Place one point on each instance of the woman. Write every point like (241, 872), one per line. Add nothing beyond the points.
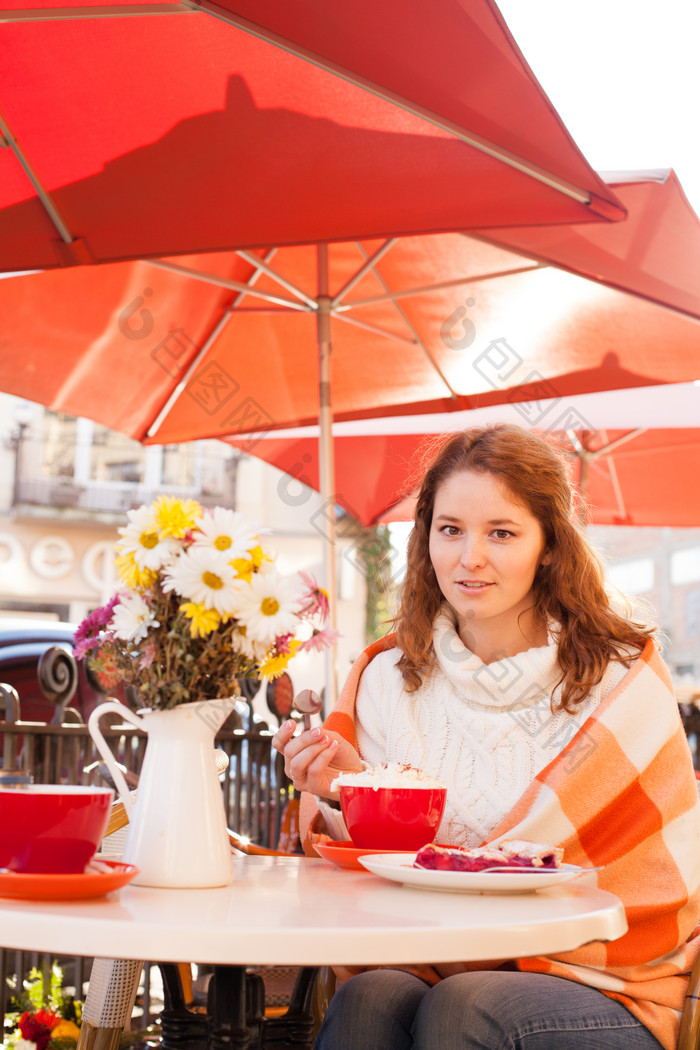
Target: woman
(550, 717)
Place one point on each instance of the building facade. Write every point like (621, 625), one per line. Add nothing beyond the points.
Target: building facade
(66, 485)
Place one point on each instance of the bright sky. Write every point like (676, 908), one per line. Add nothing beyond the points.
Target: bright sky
(624, 77)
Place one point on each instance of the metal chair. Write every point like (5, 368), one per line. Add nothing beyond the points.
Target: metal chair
(689, 1035)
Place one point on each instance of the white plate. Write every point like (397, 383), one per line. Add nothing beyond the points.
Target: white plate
(399, 868)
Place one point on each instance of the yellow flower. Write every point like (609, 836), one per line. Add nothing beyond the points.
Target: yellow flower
(65, 1030)
(274, 665)
(258, 556)
(134, 578)
(175, 516)
(204, 620)
(244, 568)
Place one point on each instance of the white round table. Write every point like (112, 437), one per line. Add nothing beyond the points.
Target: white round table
(288, 910)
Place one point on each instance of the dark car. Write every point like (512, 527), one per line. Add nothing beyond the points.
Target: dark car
(24, 644)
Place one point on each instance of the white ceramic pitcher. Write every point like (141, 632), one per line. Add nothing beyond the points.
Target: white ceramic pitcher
(177, 833)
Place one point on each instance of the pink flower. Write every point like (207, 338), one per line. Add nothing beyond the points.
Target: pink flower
(283, 644)
(149, 654)
(320, 640)
(87, 635)
(316, 597)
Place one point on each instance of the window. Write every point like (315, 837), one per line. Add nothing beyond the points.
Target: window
(114, 457)
(58, 438)
(685, 566)
(98, 459)
(632, 577)
(179, 466)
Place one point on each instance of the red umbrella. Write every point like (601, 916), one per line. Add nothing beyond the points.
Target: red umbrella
(208, 346)
(149, 128)
(634, 454)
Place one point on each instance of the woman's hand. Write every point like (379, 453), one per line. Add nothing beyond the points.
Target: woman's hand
(315, 758)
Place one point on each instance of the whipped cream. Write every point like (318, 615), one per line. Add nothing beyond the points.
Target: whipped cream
(387, 775)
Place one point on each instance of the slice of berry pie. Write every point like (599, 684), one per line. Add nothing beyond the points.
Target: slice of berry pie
(511, 853)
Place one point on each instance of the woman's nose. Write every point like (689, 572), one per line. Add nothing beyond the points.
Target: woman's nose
(473, 553)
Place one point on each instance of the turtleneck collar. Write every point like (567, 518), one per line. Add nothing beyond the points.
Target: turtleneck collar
(513, 682)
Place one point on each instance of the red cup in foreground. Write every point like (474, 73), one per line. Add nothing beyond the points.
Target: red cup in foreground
(392, 818)
(49, 829)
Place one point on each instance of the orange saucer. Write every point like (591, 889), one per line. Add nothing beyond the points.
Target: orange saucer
(27, 886)
(345, 854)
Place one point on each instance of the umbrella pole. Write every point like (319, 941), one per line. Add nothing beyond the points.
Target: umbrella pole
(326, 462)
(584, 467)
(583, 456)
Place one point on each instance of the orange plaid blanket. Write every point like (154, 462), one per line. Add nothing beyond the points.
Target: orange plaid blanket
(621, 794)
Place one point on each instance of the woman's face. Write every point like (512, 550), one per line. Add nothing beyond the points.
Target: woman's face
(485, 549)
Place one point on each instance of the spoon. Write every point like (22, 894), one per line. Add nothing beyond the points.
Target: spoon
(308, 703)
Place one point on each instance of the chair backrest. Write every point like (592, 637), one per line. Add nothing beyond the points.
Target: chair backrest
(254, 785)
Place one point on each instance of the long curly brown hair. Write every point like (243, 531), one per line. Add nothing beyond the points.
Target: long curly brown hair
(568, 589)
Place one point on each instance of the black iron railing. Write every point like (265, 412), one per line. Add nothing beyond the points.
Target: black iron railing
(255, 794)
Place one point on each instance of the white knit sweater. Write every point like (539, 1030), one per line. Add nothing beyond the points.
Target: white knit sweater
(484, 730)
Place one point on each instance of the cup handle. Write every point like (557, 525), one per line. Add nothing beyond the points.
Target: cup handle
(106, 752)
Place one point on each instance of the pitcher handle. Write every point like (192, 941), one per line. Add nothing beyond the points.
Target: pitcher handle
(105, 750)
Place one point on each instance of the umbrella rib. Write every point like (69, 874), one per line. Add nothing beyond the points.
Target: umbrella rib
(427, 289)
(261, 264)
(58, 14)
(574, 439)
(225, 282)
(591, 455)
(265, 310)
(271, 309)
(611, 468)
(52, 210)
(419, 342)
(359, 274)
(612, 471)
(622, 440)
(254, 276)
(175, 394)
(597, 278)
(375, 328)
(563, 186)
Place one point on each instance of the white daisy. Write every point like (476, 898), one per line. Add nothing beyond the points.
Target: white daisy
(141, 538)
(201, 576)
(255, 651)
(267, 605)
(132, 618)
(227, 532)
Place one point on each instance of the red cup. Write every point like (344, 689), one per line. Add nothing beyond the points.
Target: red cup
(51, 829)
(392, 818)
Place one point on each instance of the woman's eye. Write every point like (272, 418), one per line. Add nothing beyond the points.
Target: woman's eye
(450, 530)
(502, 534)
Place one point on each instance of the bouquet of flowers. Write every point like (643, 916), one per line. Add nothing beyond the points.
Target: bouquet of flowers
(201, 605)
(44, 1017)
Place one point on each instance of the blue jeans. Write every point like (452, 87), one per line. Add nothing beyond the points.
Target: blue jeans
(484, 1010)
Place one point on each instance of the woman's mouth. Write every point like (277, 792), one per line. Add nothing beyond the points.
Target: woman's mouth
(474, 585)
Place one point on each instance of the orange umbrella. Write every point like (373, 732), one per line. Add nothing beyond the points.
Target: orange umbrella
(152, 127)
(633, 455)
(213, 345)
(234, 343)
